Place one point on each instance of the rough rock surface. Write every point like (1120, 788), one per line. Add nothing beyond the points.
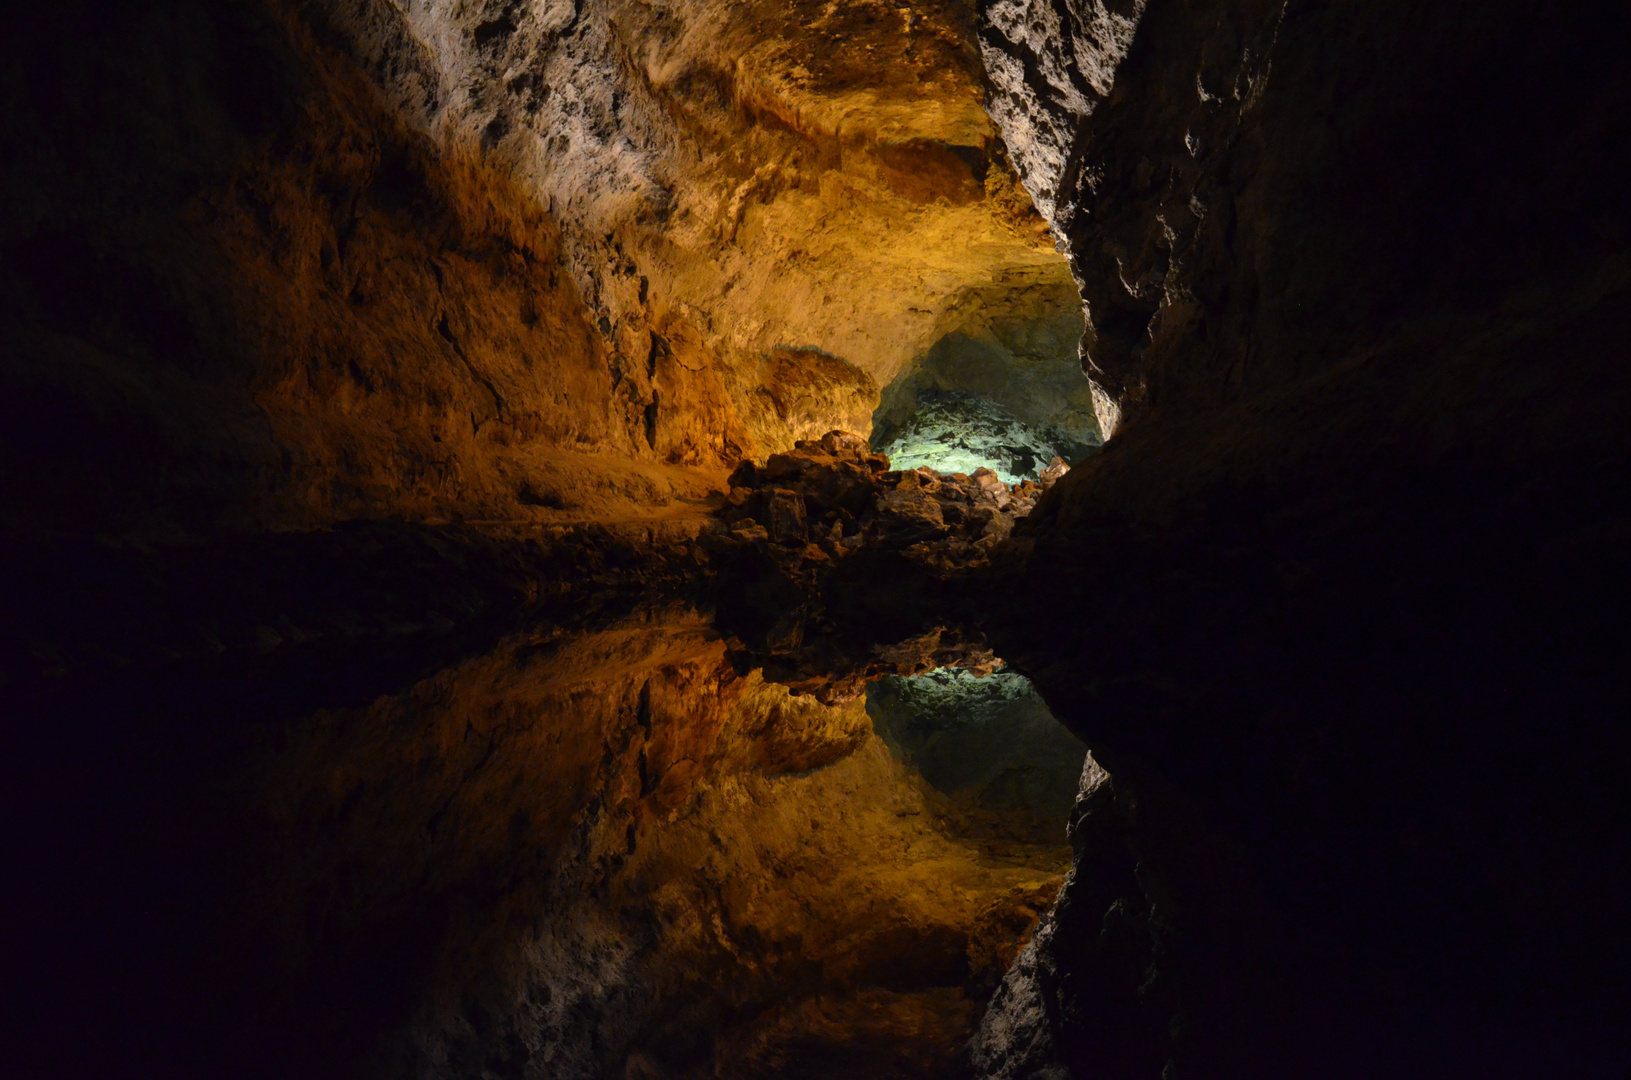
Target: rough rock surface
(240, 293)
(282, 264)
(832, 569)
(729, 173)
(1050, 65)
(959, 433)
(1342, 580)
(465, 788)
(1232, 129)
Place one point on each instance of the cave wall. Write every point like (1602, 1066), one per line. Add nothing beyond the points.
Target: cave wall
(756, 177)
(1339, 608)
(1217, 220)
(241, 291)
(1022, 358)
(1341, 590)
(292, 263)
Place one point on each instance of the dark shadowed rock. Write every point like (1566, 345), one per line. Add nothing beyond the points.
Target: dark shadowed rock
(1357, 302)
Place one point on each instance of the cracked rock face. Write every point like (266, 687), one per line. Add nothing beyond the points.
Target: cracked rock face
(1172, 150)
(1050, 65)
(267, 302)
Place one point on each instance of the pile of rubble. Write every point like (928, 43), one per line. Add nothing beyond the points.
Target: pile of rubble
(827, 558)
(835, 496)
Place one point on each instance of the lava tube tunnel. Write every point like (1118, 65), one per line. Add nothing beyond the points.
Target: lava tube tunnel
(825, 539)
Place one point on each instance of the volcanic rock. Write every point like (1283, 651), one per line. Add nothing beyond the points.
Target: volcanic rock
(877, 590)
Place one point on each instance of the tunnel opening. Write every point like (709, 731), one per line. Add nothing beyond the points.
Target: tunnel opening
(1008, 395)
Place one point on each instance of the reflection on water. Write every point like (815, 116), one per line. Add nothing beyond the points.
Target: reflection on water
(988, 743)
(455, 802)
(605, 852)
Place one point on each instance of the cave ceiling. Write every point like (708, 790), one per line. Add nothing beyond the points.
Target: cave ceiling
(809, 176)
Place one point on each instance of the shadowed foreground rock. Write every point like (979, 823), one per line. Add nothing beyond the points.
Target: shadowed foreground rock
(1340, 607)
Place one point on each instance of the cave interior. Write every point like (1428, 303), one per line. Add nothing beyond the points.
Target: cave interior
(911, 540)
